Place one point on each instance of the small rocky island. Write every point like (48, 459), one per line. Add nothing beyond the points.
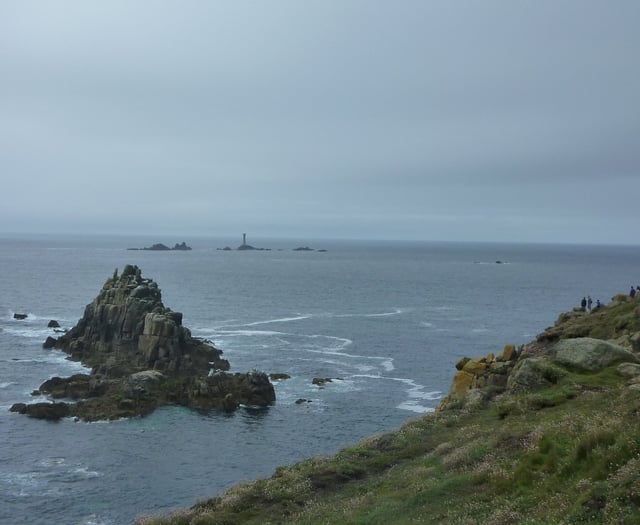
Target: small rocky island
(141, 357)
(159, 247)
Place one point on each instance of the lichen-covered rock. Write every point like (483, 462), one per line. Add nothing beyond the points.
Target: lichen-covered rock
(534, 372)
(460, 385)
(508, 353)
(590, 355)
(629, 370)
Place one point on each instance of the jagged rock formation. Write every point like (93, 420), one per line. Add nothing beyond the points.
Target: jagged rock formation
(127, 328)
(142, 356)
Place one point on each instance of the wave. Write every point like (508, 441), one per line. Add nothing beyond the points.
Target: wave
(29, 332)
(302, 317)
(85, 473)
(7, 384)
(415, 393)
(280, 320)
(396, 311)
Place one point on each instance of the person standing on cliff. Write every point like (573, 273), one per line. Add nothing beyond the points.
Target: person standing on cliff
(632, 292)
(589, 303)
(583, 304)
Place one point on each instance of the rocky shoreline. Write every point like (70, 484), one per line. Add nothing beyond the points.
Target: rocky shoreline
(141, 357)
(587, 341)
(543, 433)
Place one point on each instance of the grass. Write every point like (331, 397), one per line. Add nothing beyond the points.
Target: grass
(568, 454)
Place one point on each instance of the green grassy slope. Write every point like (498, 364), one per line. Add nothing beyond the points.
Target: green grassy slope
(566, 452)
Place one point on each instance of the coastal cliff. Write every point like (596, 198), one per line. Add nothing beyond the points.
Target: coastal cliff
(544, 433)
(141, 357)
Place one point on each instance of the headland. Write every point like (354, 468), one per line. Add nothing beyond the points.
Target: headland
(544, 433)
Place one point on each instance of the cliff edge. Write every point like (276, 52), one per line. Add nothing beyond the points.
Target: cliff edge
(540, 434)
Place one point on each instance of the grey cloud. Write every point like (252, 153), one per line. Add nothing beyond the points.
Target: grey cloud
(421, 116)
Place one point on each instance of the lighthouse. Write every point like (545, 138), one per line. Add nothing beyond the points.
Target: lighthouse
(244, 239)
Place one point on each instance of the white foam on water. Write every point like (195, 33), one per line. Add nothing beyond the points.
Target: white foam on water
(441, 308)
(415, 393)
(387, 364)
(28, 332)
(280, 320)
(329, 346)
(95, 520)
(415, 407)
(395, 311)
(7, 384)
(52, 461)
(84, 472)
(245, 333)
(426, 324)
(480, 330)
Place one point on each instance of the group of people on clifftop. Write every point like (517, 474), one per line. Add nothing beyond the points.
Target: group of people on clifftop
(586, 305)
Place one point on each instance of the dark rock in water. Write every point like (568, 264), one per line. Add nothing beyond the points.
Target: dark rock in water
(53, 324)
(142, 357)
(279, 376)
(49, 343)
(303, 249)
(20, 316)
(300, 401)
(159, 247)
(78, 386)
(50, 411)
(321, 381)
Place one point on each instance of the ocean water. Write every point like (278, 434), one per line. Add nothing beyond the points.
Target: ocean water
(387, 321)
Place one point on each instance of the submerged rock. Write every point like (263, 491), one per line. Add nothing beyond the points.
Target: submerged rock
(142, 357)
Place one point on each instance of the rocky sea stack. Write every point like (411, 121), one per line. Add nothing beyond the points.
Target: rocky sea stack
(141, 357)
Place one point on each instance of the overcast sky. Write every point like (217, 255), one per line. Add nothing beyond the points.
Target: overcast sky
(429, 120)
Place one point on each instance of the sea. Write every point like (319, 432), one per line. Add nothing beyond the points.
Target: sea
(386, 321)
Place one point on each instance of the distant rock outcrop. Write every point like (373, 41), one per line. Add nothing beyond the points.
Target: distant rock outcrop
(142, 356)
(159, 247)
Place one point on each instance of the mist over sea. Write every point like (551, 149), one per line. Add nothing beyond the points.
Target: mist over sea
(386, 320)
